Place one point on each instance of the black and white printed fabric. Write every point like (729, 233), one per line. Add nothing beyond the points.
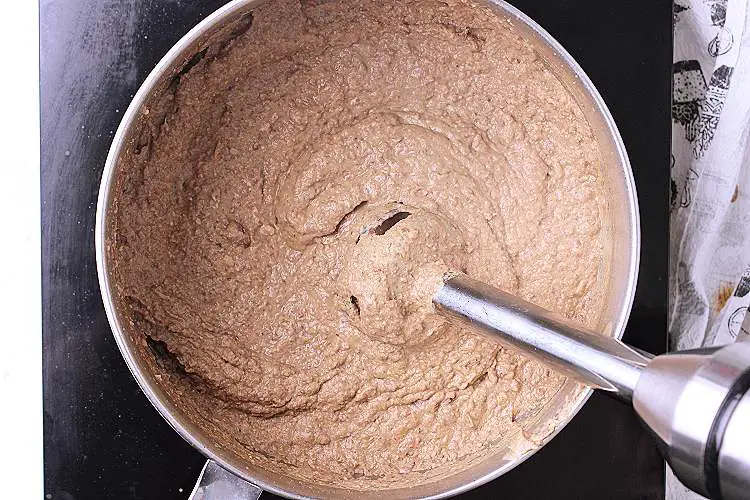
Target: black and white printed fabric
(710, 191)
(710, 170)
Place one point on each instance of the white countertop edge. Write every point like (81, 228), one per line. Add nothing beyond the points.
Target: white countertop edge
(21, 463)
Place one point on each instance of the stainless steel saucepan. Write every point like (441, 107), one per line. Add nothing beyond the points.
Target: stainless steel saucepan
(215, 31)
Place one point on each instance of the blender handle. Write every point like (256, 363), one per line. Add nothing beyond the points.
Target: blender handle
(217, 483)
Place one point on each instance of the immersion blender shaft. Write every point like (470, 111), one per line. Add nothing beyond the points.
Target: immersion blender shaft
(596, 360)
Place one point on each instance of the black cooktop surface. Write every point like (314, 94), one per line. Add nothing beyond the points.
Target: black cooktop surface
(103, 440)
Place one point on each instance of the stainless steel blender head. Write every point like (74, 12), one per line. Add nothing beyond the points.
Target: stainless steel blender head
(695, 403)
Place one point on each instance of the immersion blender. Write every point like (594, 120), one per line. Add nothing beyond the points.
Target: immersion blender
(696, 403)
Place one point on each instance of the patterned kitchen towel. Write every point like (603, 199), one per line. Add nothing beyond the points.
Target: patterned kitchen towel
(710, 194)
(709, 278)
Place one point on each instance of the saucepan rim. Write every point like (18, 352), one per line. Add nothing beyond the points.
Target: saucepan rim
(207, 26)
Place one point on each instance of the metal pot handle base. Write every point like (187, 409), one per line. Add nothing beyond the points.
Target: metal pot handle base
(216, 483)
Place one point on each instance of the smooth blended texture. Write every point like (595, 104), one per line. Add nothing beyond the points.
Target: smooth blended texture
(290, 209)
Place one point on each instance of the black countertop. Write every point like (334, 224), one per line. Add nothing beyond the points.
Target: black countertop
(103, 440)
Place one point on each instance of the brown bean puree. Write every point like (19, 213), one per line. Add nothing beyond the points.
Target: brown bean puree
(293, 202)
